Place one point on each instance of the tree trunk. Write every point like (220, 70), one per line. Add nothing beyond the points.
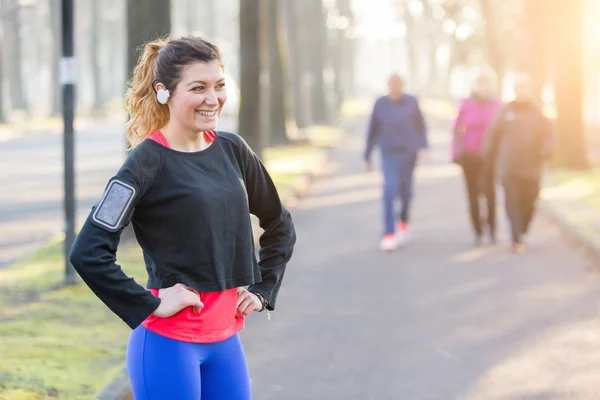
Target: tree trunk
(116, 28)
(336, 61)
(55, 87)
(411, 45)
(298, 45)
(493, 52)
(430, 26)
(348, 60)
(315, 24)
(250, 75)
(17, 94)
(279, 112)
(146, 20)
(340, 50)
(94, 54)
(2, 114)
(535, 39)
(568, 64)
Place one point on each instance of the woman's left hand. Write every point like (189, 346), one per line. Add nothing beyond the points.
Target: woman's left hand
(247, 303)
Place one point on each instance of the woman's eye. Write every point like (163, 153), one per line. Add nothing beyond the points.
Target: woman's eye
(221, 85)
(198, 88)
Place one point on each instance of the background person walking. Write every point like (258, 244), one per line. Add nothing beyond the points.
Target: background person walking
(397, 126)
(519, 142)
(470, 128)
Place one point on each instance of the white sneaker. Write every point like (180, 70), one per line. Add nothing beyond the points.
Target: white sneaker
(388, 243)
(402, 234)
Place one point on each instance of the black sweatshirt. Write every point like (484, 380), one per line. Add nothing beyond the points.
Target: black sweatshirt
(520, 141)
(191, 217)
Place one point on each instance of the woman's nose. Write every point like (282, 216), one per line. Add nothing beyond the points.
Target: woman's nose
(211, 98)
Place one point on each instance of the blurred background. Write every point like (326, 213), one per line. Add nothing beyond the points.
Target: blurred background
(301, 74)
(319, 51)
(435, 44)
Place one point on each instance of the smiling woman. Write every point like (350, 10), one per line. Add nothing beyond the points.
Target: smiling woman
(188, 191)
(186, 75)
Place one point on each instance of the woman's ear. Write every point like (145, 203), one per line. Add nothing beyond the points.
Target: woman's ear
(162, 94)
(158, 86)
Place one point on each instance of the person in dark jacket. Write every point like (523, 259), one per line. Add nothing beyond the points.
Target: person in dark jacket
(470, 129)
(519, 142)
(397, 126)
(188, 191)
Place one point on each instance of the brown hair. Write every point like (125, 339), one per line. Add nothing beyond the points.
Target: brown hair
(161, 61)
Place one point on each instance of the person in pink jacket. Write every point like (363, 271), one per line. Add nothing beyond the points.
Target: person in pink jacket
(470, 128)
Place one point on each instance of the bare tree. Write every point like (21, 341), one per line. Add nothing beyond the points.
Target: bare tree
(146, 20)
(114, 20)
(567, 38)
(55, 88)
(492, 38)
(342, 63)
(431, 32)
(347, 56)
(412, 44)
(250, 73)
(2, 114)
(13, 40)
(280, 118)
(94, 51)
(298, 48)
(317, 53)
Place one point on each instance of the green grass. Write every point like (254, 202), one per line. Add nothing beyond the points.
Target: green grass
(580, 186)
(57, 342)
(60, 342)
(287, 163)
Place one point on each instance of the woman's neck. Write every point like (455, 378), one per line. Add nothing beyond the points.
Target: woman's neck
(182, 139)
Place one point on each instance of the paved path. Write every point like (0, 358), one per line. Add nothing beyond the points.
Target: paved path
(437, 320)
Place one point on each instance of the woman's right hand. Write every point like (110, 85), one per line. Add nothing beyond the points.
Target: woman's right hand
(175, 299)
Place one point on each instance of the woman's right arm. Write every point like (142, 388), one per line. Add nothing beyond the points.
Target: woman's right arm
(93, 254)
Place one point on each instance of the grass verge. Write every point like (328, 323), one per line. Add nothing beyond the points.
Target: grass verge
(61, 342)
(57, 342)
(576, 186)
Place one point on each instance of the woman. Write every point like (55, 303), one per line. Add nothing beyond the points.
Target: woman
(519, 143)
(474, 117)
(188, 190)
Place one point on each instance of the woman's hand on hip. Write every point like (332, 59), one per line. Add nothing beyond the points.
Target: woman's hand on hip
(176, 298)
(247, 303)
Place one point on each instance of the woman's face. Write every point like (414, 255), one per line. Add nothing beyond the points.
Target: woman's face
(198, 99)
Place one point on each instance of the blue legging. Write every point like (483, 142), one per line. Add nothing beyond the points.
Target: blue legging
(161, 368)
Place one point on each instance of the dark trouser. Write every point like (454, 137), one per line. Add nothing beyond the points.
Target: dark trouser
(520, 198)
(398, 171)
(478, 183)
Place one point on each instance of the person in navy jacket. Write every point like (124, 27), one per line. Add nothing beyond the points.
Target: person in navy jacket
(398, 128)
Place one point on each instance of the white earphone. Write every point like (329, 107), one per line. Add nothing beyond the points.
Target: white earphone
(163, 96)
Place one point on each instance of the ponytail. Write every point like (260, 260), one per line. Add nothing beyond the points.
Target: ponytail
(145, 113)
